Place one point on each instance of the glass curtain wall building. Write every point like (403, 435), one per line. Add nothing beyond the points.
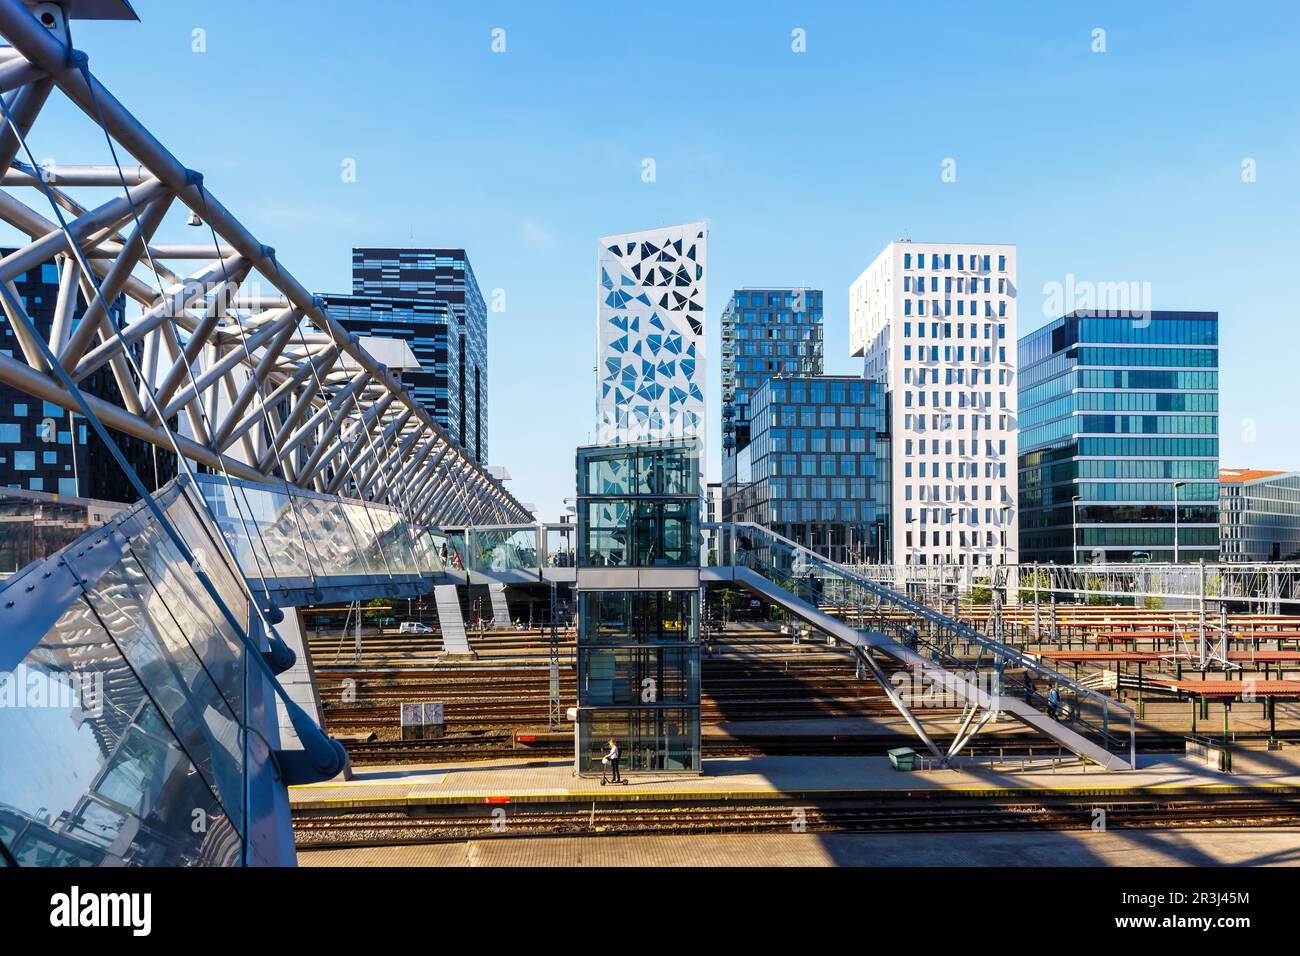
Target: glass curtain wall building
(425, 326)
(765, 332)
(1119, 423)
(45, 448)
(451, 329)
(639, 605)
(817, 467)
(1259, 515)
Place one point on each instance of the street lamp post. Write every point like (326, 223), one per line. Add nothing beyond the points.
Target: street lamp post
(1074, 528)
(1177, 485)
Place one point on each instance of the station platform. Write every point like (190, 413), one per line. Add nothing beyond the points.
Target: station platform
(512, 781)
(1245, 847)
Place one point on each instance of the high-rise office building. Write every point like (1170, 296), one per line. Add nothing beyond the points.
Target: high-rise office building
(431, 298)
(425, 325)
(1259, 515)
(765, 332)
(817, 468)
(1119, 441)
(936, 323)
(650, 360)
(44, 447)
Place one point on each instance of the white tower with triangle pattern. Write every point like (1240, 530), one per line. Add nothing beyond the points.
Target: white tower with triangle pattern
(651, 372)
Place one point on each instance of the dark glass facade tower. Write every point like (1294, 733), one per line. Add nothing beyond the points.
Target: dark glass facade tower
(1119, 422)
(765, 332)
(425, 326)
(431, 298)
(816, 468)
(639, 605)
(46, 448)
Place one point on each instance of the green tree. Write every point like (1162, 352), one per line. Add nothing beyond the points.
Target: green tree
(1025, 595)
(1094, 582)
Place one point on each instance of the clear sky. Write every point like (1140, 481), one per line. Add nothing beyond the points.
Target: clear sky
(1123, 165)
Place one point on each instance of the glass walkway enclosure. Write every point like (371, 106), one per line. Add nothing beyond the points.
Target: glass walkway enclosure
(638, 593)
(136, 727)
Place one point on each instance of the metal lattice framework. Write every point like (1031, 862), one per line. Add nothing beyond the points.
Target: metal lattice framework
(219, 336)
(1263, 588)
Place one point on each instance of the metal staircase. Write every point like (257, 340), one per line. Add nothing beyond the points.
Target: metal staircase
(500, 610)
(987, 676)
(450, 620)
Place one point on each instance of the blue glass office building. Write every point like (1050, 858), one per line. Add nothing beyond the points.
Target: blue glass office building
(765, 332)
(816, 469)
(1119, 419)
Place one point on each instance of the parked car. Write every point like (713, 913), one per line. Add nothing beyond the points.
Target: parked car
(414, 627)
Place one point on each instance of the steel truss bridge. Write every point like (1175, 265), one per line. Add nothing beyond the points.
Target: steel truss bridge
(266, 383)
(146, 653)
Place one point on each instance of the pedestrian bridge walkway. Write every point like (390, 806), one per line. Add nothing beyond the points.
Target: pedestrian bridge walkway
(986, 676)
(146, 653)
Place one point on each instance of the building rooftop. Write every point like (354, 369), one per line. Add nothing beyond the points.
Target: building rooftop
(1235, 475)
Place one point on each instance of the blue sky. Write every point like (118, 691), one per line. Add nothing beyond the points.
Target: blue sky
(1117, 166)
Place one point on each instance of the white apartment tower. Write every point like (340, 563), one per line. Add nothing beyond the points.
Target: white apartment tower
(936, 322)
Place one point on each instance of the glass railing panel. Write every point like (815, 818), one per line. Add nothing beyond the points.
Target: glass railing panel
(228, 509)
(365, 531)
(150, 639)
(33, 528)
(334, 541)
(103, 780)
(458, 548)
(188, 515)
(430, 550)
(993, 666)
(385, 539)
(200, 621)
(276, 522)
(504, 549)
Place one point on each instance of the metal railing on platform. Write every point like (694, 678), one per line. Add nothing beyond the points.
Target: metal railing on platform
(994, 666)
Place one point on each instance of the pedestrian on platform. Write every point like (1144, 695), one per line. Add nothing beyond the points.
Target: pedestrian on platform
(609, 763)
(1053, 703)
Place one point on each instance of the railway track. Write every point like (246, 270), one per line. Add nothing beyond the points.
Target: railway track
(398, 752)
(753, 676)
(391, 828)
